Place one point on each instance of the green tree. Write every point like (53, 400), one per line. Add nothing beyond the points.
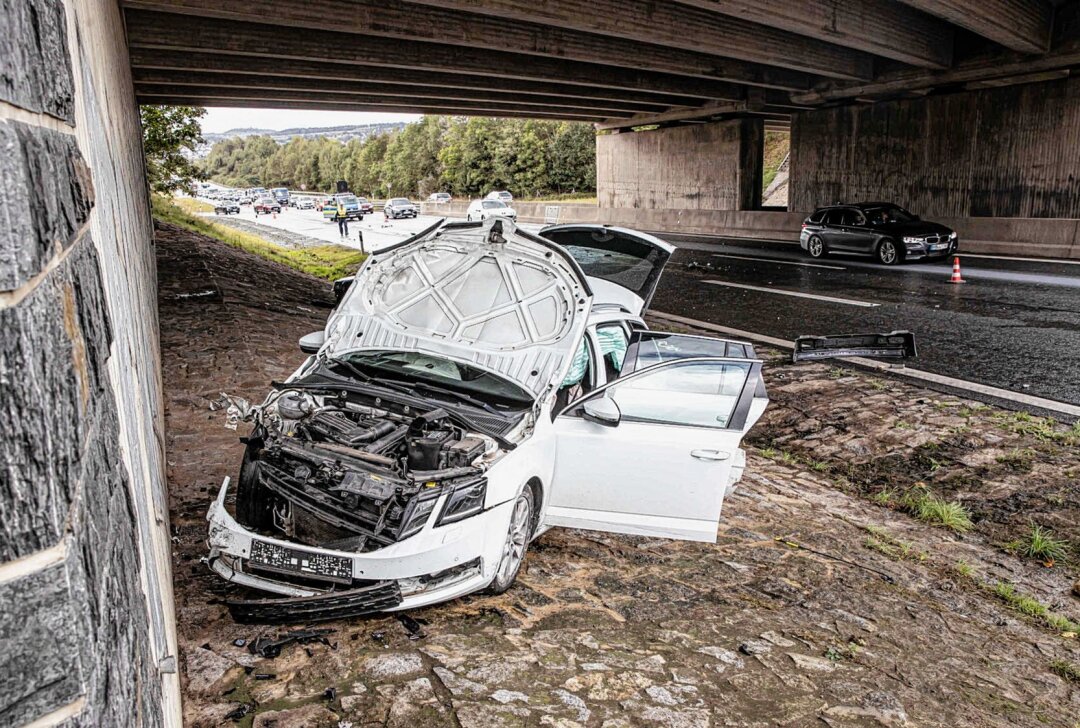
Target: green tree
(467, 156)
(169, 132)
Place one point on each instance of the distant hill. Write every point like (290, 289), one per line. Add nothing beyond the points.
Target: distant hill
(340, 133)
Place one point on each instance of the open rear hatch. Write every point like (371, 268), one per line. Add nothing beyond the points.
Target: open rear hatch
(623, 266)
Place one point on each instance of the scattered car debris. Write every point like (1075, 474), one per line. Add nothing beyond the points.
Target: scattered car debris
(239, 713)
(330, 694)
(271, 646)
(893, 345)
(239, 642)
(412, 626)
(264, 676)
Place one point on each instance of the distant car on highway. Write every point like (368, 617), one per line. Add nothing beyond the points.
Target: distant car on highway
(440, 197)
(366, 208)
(266, 205)
(227, 208)
(281, 194)
(500, 195)
(483, 209)
(399, 207)
(353, 209)
(883, 230)
(304, 203)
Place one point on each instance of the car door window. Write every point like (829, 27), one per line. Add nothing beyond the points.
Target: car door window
(834, 217)
(580, 379)
(699, 394)
(853, 218)
(614, 342)
(648, 348)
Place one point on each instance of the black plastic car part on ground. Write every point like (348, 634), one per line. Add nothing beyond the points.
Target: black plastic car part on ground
(376, 597)
(893, 345)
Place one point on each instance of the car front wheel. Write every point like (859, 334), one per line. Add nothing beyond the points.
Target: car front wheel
(887, 252)
(517, 542)
(815, 246)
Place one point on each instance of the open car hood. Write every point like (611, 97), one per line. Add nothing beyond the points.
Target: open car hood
(487, 294)
(622, 266)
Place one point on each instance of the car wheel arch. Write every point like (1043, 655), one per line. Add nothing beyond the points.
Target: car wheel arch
(534, 483)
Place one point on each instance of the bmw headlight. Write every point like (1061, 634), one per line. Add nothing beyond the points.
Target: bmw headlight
(464, 501)
(913, 241)
(952, 236)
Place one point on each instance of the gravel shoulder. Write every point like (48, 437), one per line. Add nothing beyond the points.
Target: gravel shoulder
(859, 615)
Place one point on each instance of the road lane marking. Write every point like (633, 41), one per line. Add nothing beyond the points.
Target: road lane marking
(797, 294)
(1053, 261)
(779, 262)
(919, 375)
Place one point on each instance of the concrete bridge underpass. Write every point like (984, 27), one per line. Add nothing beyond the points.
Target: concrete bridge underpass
(963, 110)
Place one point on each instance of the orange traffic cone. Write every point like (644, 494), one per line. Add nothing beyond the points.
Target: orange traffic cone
(956, 271)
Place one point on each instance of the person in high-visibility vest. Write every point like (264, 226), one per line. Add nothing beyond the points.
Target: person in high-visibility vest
(342, 221)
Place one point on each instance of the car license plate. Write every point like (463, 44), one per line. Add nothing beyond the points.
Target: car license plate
(940, 246)
(271, 557)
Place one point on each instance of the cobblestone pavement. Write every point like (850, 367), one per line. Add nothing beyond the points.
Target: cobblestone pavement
(605, 630)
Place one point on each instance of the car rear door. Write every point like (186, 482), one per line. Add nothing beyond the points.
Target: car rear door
(664, 468)
(860, 235)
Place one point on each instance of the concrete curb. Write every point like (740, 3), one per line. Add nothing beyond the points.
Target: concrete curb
(937, 382)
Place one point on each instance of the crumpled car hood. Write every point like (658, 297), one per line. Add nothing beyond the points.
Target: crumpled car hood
(489, 295)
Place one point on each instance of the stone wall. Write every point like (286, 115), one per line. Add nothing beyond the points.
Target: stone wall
(87, 635)
(1011, 152)
(699, 167)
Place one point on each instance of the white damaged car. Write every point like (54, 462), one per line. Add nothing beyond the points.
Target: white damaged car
(476, 386)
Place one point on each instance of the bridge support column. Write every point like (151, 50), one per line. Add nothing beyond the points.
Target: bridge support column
(715, 166)
(87, 631)
(1009, 152)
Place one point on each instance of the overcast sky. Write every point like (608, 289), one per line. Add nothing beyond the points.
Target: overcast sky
(219, 120)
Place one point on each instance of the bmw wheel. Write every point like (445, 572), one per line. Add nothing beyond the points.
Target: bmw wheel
(887, 252)
(517, 542)
(815, 246)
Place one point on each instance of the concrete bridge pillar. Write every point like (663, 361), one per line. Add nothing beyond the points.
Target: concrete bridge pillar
(87, 632)
(998, 153)
(714, 166)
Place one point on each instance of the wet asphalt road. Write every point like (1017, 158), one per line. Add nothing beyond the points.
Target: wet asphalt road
(1014, 324)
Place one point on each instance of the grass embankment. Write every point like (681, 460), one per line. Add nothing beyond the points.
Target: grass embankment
(324, 261)
(579, 198)
(777, 145)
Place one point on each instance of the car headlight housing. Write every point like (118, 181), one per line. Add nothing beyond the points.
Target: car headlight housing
(418, 514)
(952, 236)
(464, 501)
(913, 241)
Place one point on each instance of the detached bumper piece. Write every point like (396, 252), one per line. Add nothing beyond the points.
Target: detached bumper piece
(893, 345)
(370, 599)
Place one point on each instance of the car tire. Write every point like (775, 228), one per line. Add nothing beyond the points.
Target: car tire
(254, 502)
(518, 535)
(887, 252)
(815, 246)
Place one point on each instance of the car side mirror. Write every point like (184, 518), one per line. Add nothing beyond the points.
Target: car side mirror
(311, 343)
(602, 411)
(341, 287)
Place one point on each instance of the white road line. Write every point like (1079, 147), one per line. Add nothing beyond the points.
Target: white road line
(797, 294)
(779, 262)
(1054, 261)
(920, 376)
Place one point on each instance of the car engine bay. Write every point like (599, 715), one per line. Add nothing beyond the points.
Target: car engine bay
(353, 473)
